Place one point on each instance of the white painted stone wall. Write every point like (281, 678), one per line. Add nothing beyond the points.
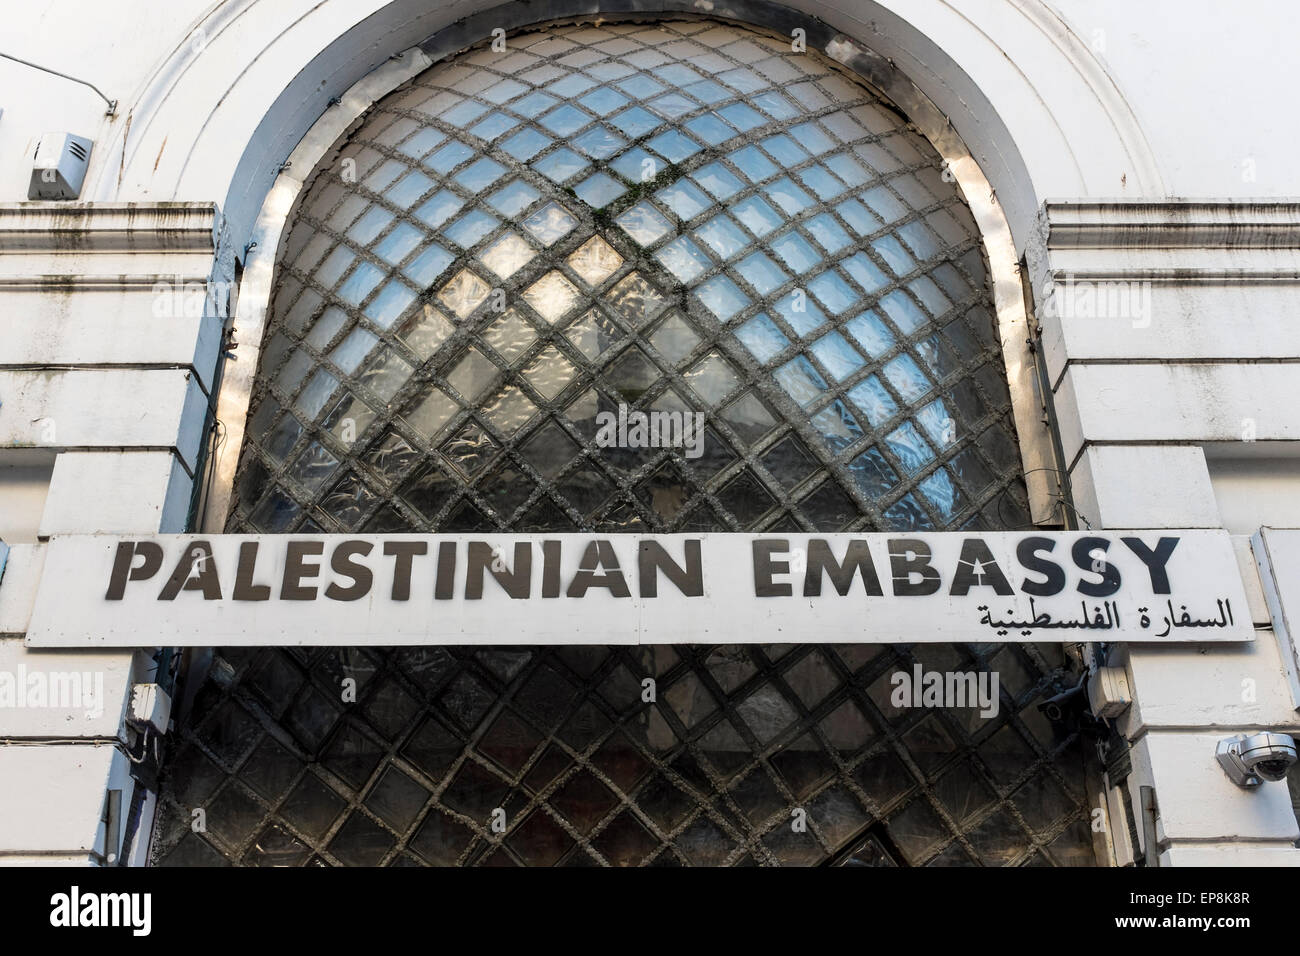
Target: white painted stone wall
(1142, 145)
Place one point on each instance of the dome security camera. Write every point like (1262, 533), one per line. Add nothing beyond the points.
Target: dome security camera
(1250, 759)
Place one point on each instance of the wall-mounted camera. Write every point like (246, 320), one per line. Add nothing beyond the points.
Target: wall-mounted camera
(1250, 759)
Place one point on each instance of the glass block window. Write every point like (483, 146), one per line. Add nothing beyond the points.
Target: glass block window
(681, 217)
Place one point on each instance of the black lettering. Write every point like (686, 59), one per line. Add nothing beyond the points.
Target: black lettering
(291, 587)
(404, 553)
(598, 556)
(1054, 575)
(361, 576)
(977, 568)
(1109, 582)
(765, 567)
(857, 561)
(550, 569)
(197, 559)
(516, 582)
(652, 558)
(1154, 560)
(908, 556)
(125, 569)
(445, 587)
(245, 589)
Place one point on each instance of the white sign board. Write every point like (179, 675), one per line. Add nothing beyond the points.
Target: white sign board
(182, 590)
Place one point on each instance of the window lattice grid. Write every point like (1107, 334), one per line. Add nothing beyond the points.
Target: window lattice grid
(587, 774)
(393, 395)
(888, 413)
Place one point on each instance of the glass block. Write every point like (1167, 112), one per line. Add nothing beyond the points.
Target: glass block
(673, 145)
(313, 397)
(837, 356)
(565, 120)
(326, 326)
(550, 373)
(351, 351)
(907, 378)
(712, 378)
(481, 174)
(673, 106)
(428, 265)
(635, 299)
(599, 190)
(509, 411)
(593, 333)
(637, 166)
(944, 494)
(746, 498)
(400, 243)
(720, 183)
(674, 338)
(470, 228)
(348, 419)
(425, 330)
(939, 425)
(788, 196)
(513, 198)
(784, 150)
(472, 375)
(550, 224)
(829, 508)
(636, 122)
(837, 426)
(393, 457)
(389, 304)
(872, 334)
(684, 259)
(822, 182)
(757, 216)
(595, 261)
(800, 312)
(549, 449)
(801, 381)
(603, 100)
(722, 236)
(552, 296)
(313, 467)
(469, 450)
(762, 273)
(510, 336)
(599, 142)
(722, 297)
(833, 292)
(790, 462)
(438, 208)
(872, 474)
(909, 447)
(363, 280)
(761, 336)
(507, 255)
(874, 401)
(632, 373)
(684, 198)
(430, 412)
(711, 129)
(903, 312)
(796, 252)
(827, 233)
(561, 165)
(464, 293)
(751, 161)
(644, 223)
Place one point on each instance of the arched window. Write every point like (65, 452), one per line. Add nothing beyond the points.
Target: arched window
(683, 217)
